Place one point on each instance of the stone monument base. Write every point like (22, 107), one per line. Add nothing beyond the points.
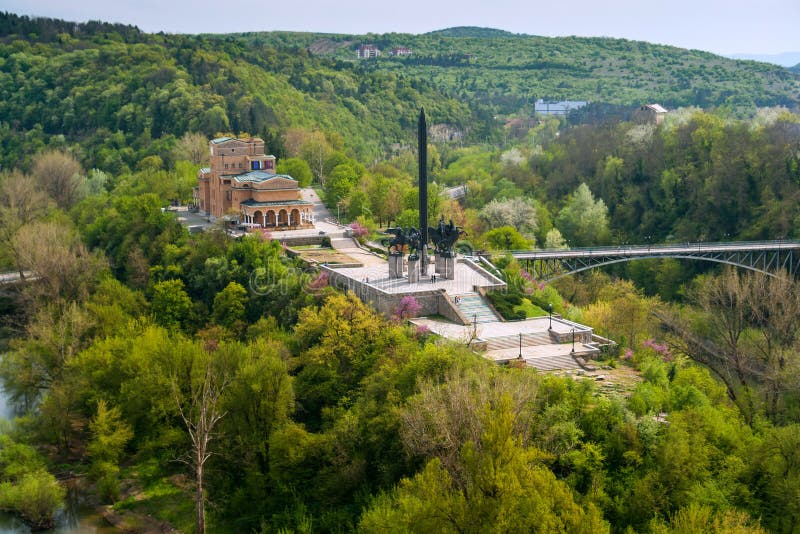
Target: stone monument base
(413, 270)
(446, 266)
(395, 265)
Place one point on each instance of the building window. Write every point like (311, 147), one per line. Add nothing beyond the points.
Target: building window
(228, 195)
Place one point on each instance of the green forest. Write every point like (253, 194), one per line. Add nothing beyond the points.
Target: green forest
(508, 72)
(148, 366)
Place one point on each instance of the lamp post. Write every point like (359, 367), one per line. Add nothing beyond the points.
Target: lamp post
(550, 307)
(573, 341)
(520, 345)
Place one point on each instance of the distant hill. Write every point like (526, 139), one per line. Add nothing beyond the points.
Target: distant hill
(796, 68)
(505, 73)
(471, 31)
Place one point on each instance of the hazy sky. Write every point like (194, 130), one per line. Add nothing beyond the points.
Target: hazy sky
(720, 26)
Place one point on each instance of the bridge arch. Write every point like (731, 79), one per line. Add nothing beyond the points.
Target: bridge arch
(622, 260)
(766, 257)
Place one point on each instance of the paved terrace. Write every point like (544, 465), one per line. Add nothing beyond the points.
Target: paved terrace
(539, 349)
(497, 329)
(376, 274)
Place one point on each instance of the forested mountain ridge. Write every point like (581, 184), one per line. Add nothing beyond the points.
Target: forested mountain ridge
(117, 90)
(511, 71)
(110, 86)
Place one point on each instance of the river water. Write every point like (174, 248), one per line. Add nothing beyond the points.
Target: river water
(75, 519)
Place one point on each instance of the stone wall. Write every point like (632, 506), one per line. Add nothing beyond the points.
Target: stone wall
(433, 302)
(497, 282)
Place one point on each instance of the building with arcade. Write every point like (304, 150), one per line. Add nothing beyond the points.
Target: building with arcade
(241, 186)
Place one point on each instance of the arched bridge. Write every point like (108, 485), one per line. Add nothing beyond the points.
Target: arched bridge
(763, 256)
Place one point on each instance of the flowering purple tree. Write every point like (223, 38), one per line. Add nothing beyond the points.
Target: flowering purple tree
(359, 231)
(661, 349)
(318, 284)
(406, 308)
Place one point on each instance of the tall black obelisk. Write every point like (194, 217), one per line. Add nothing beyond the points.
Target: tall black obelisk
(422, 139)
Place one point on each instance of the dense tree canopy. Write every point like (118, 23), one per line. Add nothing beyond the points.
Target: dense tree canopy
(298, 408)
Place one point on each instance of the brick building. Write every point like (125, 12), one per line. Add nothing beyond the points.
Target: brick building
(241, 185)
(650, 113)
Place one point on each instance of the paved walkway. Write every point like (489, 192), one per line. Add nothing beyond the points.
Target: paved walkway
(348, 246)
(378, 275)
(494, 329)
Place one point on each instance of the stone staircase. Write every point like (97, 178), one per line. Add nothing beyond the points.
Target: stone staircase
(528, 340)
(548, 362)
(553, 363)
(474, 308)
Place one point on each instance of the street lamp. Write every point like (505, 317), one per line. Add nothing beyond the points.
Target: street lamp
(573, 341)
(550, 307)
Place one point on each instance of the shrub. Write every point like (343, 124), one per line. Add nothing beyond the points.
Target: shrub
(35, 497)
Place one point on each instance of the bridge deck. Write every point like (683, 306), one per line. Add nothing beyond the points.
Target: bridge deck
(650, 250)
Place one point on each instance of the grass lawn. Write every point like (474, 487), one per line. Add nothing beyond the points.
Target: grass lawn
(530, 309)
(165, 497)
(324, 255)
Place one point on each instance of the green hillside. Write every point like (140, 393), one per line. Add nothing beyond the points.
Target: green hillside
(116, 89)
(110, 86)
(511, 71)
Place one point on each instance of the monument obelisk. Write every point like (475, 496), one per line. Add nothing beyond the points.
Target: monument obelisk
(422, 139)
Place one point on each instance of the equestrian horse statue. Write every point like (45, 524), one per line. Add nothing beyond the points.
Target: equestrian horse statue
(403, 237)
(444, 236)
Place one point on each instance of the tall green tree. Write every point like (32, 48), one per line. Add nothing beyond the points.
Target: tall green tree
(583, 220)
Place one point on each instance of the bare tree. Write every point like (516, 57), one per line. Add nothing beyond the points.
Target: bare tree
(61, 176)
(192, 147)
(726, 301)
(55, 255)
(747, 336)
(21, 203)
(775, 306)
(200, 413)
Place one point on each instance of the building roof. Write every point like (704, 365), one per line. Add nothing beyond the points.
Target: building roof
(657, 108)
(260, 176)
(257, 204)
(558, 108)
(456, 192)
(219, 140)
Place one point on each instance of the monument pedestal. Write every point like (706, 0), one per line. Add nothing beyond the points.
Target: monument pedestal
(395, 265)
(413, 270)
(446, 266)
